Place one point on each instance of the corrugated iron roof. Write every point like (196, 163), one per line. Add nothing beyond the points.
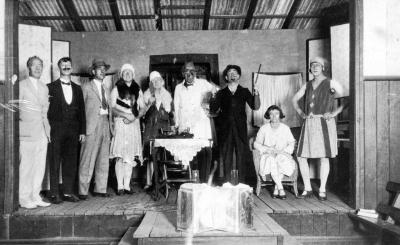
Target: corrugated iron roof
(138, 15)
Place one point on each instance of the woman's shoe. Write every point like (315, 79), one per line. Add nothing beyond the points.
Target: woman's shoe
(305, 194)
(282, 195)
(275, 194)
(120, 192)
(146, 187)
(322, 196)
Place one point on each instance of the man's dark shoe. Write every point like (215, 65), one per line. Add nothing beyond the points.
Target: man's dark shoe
(70, 198)
(55, 199)
(83, 197)
(120, 192)
(129, 192)
(96, 194)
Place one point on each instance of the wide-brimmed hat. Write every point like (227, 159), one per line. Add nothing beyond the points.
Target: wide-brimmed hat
(98, 62)
(235, 67)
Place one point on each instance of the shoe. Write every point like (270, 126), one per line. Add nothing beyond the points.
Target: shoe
(70, 198)
(322, 196)
(130, 192)
(30, 205)
(42, 204)
(146, 187)
(83, 197)
(305, 194)
(282, 195)
(120, 192)
(55, 199)
(96, 194)
(275, 194)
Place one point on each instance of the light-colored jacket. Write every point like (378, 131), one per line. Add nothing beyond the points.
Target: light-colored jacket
(33, 122)
(92, 100)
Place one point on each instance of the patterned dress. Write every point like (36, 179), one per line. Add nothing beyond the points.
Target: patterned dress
(318, 138)
(127, 139)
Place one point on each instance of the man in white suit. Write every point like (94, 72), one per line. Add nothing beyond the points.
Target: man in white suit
(34, 135)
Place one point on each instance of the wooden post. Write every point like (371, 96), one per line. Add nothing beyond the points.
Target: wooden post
(9, 144)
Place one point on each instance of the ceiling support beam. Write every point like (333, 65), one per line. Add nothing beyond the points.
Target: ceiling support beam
(157, 15)
(250, 12)
(292, 12)
(206, 17)
(73, 13)
(182, 7)
(115, 13)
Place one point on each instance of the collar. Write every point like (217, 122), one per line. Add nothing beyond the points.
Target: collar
(64, 81)
(233, 87)
(97, 81)
(187, 84)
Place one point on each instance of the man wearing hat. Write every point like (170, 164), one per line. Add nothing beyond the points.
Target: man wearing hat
(318, 137)
(95, 150)
(68, 127)
(231, 101)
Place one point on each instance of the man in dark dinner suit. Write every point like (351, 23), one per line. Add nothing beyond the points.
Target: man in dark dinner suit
(231, 104)
(68, 127)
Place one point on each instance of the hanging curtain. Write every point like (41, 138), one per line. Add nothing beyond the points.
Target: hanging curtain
(277, 90)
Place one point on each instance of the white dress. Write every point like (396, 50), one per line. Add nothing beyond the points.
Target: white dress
(280, 138)
(127, 140)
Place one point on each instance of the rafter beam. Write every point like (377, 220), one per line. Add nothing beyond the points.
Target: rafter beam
(206, 17)
(250, 12)
(182, 7)
(115, 13)
(292, 12)
(73, 13)
(157, 14)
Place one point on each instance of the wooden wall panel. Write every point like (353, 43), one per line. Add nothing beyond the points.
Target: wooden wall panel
(370, 190)
(382, 139)
(394, 102)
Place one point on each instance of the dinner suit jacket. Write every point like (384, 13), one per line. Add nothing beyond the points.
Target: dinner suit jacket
(33, 107)
(55, 113)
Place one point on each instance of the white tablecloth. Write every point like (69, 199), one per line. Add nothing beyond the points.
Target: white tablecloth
(183, 149)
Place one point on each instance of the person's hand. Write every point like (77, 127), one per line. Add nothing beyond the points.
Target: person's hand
(256, 92)
(328, 116)
(130, 117)
(152, 100)
(82, 138)
(48, 139)
(301, 113)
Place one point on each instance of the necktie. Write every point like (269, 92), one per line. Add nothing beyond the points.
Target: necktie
(68, 84)
(186, 84)
(103, 98)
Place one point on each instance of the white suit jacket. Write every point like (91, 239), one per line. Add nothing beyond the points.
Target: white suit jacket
(34, 104)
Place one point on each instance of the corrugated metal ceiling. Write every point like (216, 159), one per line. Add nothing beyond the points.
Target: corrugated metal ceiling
(139, 15)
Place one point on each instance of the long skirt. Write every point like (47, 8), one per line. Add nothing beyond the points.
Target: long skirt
(281, 164)
(127, 141)
(318, 138)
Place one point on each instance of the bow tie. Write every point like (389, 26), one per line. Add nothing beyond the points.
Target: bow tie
(68, 84)
(187, 84)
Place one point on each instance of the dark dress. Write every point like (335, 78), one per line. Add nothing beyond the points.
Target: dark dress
(233, 131)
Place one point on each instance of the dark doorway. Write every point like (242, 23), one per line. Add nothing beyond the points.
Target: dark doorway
(170, 66)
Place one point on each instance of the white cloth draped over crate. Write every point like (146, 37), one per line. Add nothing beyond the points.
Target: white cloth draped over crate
(278, 90)
(183, 149)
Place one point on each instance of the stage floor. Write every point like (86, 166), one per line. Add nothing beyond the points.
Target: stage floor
(140, 202)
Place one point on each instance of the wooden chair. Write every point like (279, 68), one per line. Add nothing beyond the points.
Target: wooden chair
(287, 180)
(386, 232)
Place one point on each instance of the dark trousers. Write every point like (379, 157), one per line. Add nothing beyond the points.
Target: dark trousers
(202, 162)
(230, 144)
(64, 152)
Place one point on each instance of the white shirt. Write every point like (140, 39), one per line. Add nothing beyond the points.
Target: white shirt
(34, 82)
(67, 90)
(98, 84)
(189, 112)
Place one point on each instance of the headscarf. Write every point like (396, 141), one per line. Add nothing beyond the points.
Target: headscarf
(165, 96)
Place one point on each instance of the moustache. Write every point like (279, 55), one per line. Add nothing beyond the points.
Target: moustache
(66, 69)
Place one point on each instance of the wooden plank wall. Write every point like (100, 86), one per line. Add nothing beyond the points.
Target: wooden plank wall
(381, 141)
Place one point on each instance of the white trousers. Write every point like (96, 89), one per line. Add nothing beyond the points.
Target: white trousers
(32, 155)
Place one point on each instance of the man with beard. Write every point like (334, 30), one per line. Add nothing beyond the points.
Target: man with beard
(68, 127)
(231, 104)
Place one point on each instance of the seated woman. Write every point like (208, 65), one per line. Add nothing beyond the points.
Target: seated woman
(159, 116)
(275, 142)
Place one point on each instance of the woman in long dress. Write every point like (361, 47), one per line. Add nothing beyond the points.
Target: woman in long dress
(159, 116)
(276, 143)
(127, 105)
(318, 138)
